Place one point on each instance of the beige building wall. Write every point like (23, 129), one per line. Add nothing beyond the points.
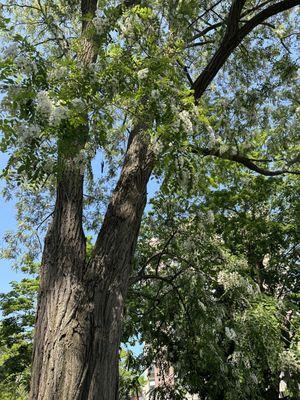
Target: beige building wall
(155, 378)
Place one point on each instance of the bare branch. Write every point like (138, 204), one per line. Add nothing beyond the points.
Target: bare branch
(256, 8)
(207, 30)
(199, 43)
(204, 13)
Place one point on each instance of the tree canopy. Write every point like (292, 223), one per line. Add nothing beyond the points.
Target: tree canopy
(248, 115)
(97, 96)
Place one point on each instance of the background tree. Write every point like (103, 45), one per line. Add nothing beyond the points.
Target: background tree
(216, 289)
(121, 78)
(17, 320)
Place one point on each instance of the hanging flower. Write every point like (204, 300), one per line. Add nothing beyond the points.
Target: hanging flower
(101, 24)
(58, 115)
(282, 386)
(143, 73)
(230, 333)
(27, 132)
(78, 103)
(44, 104)
(184, 116)
(11, 51)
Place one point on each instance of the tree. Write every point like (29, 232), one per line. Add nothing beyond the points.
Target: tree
(16, 339)
(219, 280)
(18, 308)
(226, 305)
(86, 76)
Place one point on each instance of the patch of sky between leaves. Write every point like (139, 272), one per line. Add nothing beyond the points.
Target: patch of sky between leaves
(7, 223)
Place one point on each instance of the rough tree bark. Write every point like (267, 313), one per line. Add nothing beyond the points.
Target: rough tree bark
(81, 301)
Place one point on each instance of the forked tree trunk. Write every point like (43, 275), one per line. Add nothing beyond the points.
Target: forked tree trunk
(81, 302)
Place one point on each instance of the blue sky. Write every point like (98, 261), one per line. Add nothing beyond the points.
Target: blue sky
(8, 222)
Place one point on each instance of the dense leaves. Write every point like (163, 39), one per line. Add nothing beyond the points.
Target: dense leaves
(218, 276)
(18, 315)
(214, 85)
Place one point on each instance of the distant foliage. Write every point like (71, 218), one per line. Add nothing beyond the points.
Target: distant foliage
(216, 286)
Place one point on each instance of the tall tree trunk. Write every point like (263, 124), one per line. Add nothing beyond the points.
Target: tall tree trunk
(108, 270)
(59, 343)
(81, 302)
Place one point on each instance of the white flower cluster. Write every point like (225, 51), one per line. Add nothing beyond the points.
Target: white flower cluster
(184, 178)
(161, 104)
(282, 386)
(214, 140)
(44, 104)
(202, 305)
(232, 280)
(189, 244)
(185, 118)
(280, 31)
(154, 242)
(223, 148)
(155, 94)
(78, 103)
(254, 378)
(210, 217)
(230, 333)
(236, 357)
(13, 92)
(11, 51)
(143, 73)
(211, 135)
(25, 64)
(126, 25)
(58, 73)
(101, 24)
(58, 114)
(27, 132)
(85, 155)
(179, 163)
(157, 146)
(52, 113)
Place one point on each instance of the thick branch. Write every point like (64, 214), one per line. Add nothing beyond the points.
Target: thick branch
(247, 162)
(88, 9)
(234, 17)
(231, 41)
